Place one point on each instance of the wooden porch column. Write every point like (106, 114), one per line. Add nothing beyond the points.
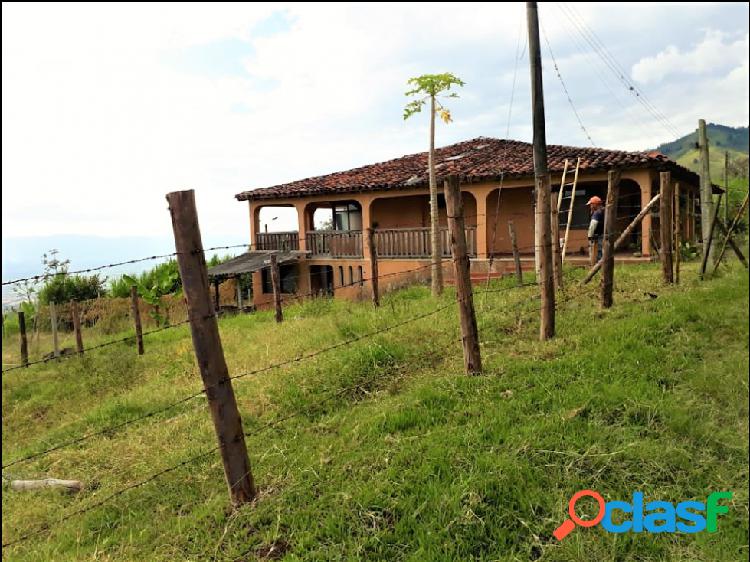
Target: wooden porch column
(645, 184)
(482, 222)
(365, 203)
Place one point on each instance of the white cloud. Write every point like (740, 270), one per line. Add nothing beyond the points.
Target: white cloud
(717, 52)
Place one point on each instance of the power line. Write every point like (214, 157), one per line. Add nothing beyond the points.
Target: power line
(565, 89)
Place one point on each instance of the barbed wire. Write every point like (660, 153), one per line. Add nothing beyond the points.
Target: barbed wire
(269, 425)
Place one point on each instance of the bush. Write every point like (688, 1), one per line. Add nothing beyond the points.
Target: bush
(64, 288)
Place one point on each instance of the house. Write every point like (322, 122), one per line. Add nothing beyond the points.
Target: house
(392, 198)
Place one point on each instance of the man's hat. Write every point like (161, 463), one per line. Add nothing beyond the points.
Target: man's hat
(595, 201)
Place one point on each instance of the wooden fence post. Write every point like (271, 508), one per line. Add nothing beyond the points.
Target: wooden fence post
(53, 323)
(276, 283)
(516, 255)
(665, 226)
(608, 250)
(239, 293)
(732, 243)
(469, 331)
(24, 341)
(208, 349)
(677, 234)
(730, 230)
(77, 326)
(624, 236)
(708, 241)
(373, 266)
(136, 318)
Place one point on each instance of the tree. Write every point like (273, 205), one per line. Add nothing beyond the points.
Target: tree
(429, 87)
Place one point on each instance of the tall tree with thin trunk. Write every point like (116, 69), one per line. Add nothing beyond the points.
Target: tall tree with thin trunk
(431, 88)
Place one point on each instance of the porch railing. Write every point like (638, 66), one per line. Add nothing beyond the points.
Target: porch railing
(335, 243)
(415, 242)
(284, 241)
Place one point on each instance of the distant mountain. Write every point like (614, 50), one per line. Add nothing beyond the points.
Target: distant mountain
(721, 139)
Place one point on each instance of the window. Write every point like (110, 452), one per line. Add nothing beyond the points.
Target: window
(341, 275)
(351, 275)
(361, 277)
(347, 217)
(288, 279)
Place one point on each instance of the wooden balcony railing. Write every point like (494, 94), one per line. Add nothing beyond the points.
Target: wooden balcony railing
(284, 241)
(415, 242)
(390, 242)
(335, 243)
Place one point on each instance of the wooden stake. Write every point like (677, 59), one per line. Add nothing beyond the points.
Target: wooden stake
(677, 234)
(462, 265)
(707, 242)
(24, 341)
(276, 284)
(726, 186)
(665, 226)
(707, 203)
(541, 178)
(239, 293)
(624, 236)
(608, 250)
(373, 267)
(136, 312)
(732, 243)
(208, 349)
(77, 326)
(516, 255)
(730, 230)
(53, 323)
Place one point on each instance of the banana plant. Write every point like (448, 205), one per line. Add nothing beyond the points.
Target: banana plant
(162, 283)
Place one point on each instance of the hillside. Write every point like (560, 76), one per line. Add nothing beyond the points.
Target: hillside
(382, 449)
(722, 139)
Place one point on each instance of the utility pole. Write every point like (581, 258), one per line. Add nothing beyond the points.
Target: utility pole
(542, 181)
(707, 203)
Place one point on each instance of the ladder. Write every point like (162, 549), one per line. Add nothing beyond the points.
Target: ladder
(571, 201)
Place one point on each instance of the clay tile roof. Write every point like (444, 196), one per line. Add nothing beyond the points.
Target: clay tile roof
(480, 159)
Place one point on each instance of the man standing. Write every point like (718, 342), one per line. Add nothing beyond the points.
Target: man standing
(596, 229)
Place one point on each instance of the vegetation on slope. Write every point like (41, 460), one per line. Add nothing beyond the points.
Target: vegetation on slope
(418, 462)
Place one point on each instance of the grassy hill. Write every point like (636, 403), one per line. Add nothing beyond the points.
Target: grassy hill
(391, 453)
(721, 138)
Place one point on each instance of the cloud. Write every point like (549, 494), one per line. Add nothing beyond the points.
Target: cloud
(718, 52)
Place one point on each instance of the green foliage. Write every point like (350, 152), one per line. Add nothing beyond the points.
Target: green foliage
(420, 462)
(63, 288)
(431, 86)
(165, 277)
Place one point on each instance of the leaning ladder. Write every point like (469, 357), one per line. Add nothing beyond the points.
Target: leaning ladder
(561, 197)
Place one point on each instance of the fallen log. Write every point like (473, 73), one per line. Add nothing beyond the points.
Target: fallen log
(68, 485)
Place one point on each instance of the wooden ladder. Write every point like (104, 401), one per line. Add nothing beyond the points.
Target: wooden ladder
(571, 201)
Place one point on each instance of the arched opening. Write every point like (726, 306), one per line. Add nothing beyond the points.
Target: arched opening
(276, 228)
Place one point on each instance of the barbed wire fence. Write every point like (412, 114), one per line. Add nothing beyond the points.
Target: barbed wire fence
(219, 384)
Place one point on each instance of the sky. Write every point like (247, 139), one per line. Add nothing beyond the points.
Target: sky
(106, 108)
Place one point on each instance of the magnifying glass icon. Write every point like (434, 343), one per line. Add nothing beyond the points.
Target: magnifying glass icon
(569, 524)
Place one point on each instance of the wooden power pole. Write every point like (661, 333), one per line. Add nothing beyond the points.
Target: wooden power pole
(707, 202)
(373, 266)
(608, 249)
(542, 181)
(666, 229)
(208, 350)
(469, 331)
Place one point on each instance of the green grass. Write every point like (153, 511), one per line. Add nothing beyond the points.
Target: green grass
(416, 461)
